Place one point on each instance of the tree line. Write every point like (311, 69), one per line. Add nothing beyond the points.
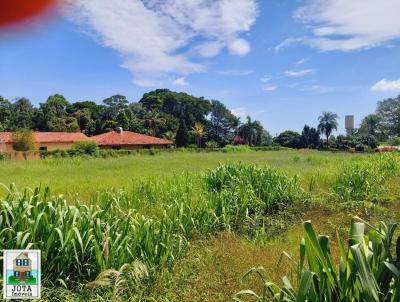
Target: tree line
(381, 126)
(180, 117)
(189, 120)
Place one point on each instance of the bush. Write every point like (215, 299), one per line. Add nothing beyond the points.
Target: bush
(236, 148)
(212, 144)
(23, 140)
(86, 147)
(4, 156)
(395, 141)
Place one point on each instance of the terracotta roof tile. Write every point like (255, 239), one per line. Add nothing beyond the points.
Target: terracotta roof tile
(114, 138)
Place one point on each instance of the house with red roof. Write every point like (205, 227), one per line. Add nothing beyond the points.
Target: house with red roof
(49, 141)
(46, 141)
(120, 139)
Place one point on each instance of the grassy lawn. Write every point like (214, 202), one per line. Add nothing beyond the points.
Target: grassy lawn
(81, 178)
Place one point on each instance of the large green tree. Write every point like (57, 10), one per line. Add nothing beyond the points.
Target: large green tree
(253, 133)
(22, 115)
(310, 137)
(222, 124)
(5, 114)
(389, 112)
(51, 112)
(289, 139)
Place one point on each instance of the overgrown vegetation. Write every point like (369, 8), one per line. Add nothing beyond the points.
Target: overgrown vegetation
(118, 246)
(151, 224)
(365, 180)
(368, 270)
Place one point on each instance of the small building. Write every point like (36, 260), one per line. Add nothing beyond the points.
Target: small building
(120, 139)
(46, 141)
(22, 267)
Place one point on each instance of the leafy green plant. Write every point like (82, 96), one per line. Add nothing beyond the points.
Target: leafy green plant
(368, 271)
(86, 147)
(212, 144)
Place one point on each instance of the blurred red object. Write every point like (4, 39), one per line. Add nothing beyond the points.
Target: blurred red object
(387, 149)
(14, 11)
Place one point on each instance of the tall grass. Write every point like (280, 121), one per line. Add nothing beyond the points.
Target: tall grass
(267, 188)
(365, 179)
(152, 224)
(368, 270)
(144, 230)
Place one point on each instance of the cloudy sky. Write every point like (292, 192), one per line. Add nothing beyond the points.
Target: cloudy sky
(280, 61)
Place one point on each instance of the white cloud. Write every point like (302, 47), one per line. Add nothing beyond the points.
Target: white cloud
(270, 88)
(234, 72)
(239, 47)
(158, 38)
(243, 112)
(240, 112)
(180, 82)
(385, 85)
(301, 62)
(208, 49)
(266, 79)
(316, 89)
(348, 25)
(298, 73)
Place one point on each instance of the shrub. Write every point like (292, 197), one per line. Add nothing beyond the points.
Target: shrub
(192, 146)
(395, 141)
(86, 147)
(4, 156)
(23, 140)
(368, 271)
(236, 148)
(212, 144)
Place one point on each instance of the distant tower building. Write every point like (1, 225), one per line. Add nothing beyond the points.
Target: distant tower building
(349, 124)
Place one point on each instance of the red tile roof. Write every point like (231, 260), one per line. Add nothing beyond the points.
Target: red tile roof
(49, 137)
(115, 138)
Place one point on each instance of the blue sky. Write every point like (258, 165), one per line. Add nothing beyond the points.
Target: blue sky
(281, 61)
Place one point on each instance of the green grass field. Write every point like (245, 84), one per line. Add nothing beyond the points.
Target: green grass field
(82, 178)
(195, 236)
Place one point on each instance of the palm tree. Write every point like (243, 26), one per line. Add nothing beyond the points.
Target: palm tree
(154, 120)
(327, 123)
(249, 131)
(198, 133)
